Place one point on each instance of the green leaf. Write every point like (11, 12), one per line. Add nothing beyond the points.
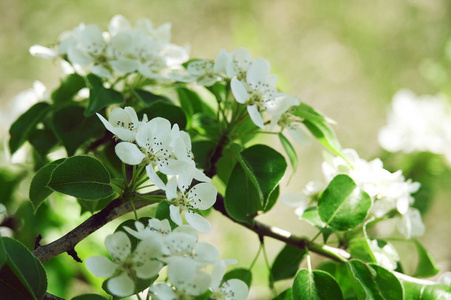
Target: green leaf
(273, 197)
(39, 191)
(325, 135)
(417, 291)
(202, 151)
(164, 110)
(285, 295)
(265, 167)
(426, 265)
(340, 272)
(192, 103)
(307, 112)
(149, 98)
(163, 212)
(289, 149)
(242, 200)
(343, 205)
(43, 140)
(89, 297)
(243, 274)
(83, 177)
(100, 97)
(74, 129)
(360, 247)
(374, 282)
(95, 205)
(253, 180)
(287, 262)
(26, 270)
(311, 215)
(3, 255)
(207, 125)
(315, 285)
(69, 87)
(24, 126)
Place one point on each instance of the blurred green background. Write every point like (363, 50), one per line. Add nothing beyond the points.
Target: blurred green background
(344, 58)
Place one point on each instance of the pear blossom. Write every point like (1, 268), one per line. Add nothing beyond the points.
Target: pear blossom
(296, 199)
(388, 191)
(258, 91)
(386, 256)
(201, 70)
(233, 289)
(417, 123)
(201, 196)
(141, 263)
(236, 63)
(123, 123)
(284, 119)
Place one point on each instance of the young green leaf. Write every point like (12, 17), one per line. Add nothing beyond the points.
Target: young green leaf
(43, 140)
(241, 199)
(325, 135)
(243, 274)
(265, 168)
(360, 247)
(315, 285)
(289, 149)
(307, 112)
(89, 297)
(149, 98)
(39, 191)
(374, 282)
(343, 205)
(426, 265)
(69, 87)
(100, 97)
(165, 110)
(24, 126)
(417, 291)
(83, 177)
(285, 295)
(74, 129)
(287, 262)
(23, 273)
(3, 255)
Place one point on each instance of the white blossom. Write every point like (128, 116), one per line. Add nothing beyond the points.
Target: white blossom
(417, 123)
(140, 263)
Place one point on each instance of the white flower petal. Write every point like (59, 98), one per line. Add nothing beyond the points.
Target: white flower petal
(100, 71)
(295, 199)
(121, 285)
(149, 269)
(205, 252)
(235, 289)
(162, 291)
(239, 91)
(129, 153)
(198, 222)
(174, 212)
(299, 135)
(203, 195)
(258, 72)
(101, 266)
(255, 116)
(219, 269)
(118, 244)
(43, 52)
(155, 178)
(124, 65)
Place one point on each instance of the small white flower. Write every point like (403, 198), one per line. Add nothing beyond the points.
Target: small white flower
(410, 224)
(201, 196)
(122, 122)
(258, 91)
(233, 289)
(387, 256)
(298, 200)
(140, 262)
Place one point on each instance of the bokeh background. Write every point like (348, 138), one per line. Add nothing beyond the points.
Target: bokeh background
(345, 58)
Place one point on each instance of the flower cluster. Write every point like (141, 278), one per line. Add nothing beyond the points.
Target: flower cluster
(122, 49)
(252, 85)
(186, 259)
(389, 191)
(417, 124)
(167, 149)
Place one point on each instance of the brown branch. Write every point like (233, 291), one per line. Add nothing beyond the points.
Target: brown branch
(68, 242)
